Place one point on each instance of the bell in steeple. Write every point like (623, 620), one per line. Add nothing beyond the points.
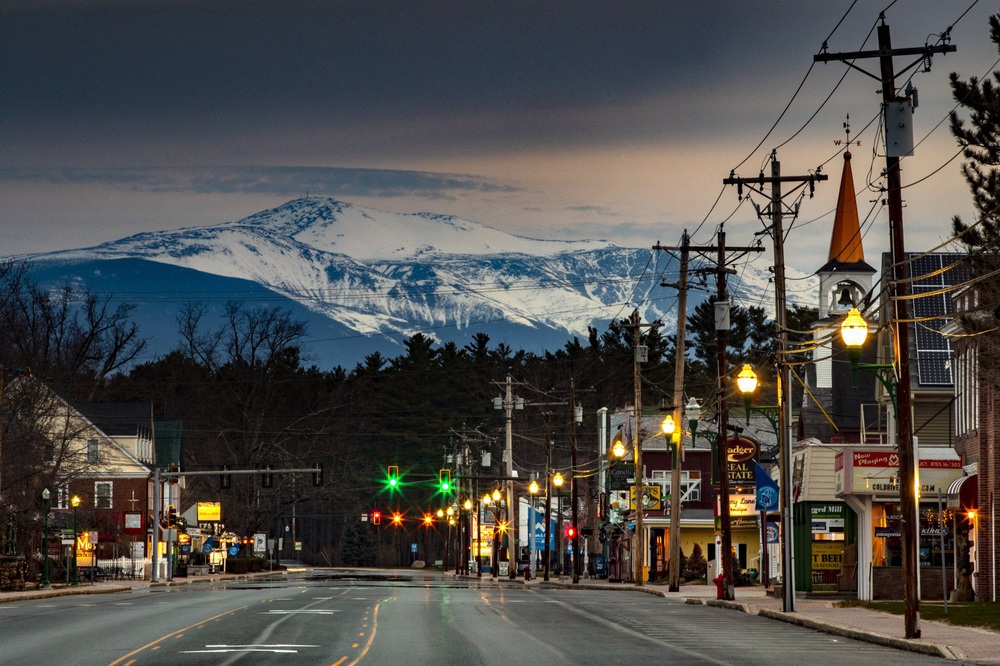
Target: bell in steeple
(845, 301)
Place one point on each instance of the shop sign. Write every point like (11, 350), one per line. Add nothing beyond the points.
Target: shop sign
(876, 472)
(651, 499)
(209, 512)
(620, 474)
(742, 505)
(827, 555)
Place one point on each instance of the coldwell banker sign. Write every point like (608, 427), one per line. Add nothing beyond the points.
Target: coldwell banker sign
(876, 472)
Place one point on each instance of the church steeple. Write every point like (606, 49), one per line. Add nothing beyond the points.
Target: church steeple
(845, 243)
(845, 279)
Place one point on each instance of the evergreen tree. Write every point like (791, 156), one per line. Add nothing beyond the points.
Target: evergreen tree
(979, 136)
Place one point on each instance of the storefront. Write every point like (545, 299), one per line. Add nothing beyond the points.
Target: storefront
(867, 479)
(820, 536)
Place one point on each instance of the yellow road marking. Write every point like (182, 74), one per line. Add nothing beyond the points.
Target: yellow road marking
(178, 634)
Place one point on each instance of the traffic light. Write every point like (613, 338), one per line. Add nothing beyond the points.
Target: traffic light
(318, 475)
(392, 477)
(444, 480)
(266, 479)
(397, 520)
(225, 479)
(428, 520)
(570, 531)
(171, 516)
(376, 517)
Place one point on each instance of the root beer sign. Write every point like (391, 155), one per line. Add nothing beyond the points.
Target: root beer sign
(741, 453)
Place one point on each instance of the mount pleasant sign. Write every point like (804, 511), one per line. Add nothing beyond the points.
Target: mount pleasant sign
(876, 472)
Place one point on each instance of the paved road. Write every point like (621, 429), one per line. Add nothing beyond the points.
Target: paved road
(325, 618)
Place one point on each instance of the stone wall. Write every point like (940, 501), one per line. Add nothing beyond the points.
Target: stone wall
(887, 583)
(11, 574)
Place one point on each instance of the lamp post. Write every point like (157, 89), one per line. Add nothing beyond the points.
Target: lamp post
(497, 532)
(533, 492)
(76, 569)
(45, 552)
(673, 436)
(558, 481)
(854, 331)
(746, 381)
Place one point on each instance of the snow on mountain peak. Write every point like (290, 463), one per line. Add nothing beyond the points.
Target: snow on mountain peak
(368, 234)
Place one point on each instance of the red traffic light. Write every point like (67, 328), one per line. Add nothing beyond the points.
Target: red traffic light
(570, 531)
(376, 517)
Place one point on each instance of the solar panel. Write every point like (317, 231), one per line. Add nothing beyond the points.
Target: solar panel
(933, 309)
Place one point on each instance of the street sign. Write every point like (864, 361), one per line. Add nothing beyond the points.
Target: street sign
(234, 551)
(260, 542)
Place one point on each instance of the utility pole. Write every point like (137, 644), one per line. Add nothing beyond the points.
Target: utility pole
(891, 101)
(722, 325)
(509, 404)
(577, 560)
(674, 567)
(639, 555)
(783, 379)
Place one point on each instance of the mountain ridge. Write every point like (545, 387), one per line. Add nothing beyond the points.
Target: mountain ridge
(384, 276)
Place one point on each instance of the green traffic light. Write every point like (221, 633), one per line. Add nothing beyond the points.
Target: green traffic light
(445, 486)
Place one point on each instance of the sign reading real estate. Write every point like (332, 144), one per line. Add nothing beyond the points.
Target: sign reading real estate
(741, 454)
(876, 472)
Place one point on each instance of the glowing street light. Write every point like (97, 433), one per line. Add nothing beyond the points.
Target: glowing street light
(76, 569)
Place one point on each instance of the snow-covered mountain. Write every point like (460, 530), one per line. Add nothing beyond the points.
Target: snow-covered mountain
(364, 279)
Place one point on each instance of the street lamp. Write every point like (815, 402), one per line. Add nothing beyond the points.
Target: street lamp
(76, 569)
(692, 413)
(45, 578)
(533, 490)
(853, 331)
(618, 447)
(747, 383)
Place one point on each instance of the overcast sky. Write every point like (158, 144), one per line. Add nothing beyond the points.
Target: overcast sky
(556, 119)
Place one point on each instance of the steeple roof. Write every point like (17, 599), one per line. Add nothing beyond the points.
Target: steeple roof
(846, 250)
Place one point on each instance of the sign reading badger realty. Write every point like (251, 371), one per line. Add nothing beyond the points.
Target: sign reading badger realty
(876, 472)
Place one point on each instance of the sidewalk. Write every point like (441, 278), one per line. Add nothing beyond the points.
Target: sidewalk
(937, 638)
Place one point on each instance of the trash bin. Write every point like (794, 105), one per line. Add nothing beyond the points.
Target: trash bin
(598, 565)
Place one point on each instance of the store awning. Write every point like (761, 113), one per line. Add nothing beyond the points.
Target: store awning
(963, 491)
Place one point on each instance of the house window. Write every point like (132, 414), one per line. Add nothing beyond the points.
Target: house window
(690, 484)
(62, 498)
(93, 451)
(102, 495)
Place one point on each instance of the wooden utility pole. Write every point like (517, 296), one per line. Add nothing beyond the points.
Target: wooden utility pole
(783, 379)
(674, 566)
(722, 325)
(909, 523)
(721, 439)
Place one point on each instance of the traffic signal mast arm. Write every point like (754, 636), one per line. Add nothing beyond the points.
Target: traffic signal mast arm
(217, 472)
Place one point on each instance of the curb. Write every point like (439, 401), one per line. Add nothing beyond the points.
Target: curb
(866, 636)
(33, 595)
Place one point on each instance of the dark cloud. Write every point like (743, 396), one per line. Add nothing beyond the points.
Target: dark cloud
(262, 180)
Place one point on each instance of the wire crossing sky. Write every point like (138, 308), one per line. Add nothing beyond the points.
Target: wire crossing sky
(563, 120)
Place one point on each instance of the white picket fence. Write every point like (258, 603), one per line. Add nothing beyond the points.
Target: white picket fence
(121, 568)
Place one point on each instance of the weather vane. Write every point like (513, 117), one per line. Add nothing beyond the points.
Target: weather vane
(847, 130)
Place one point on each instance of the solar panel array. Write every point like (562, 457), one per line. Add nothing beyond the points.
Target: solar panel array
(932, 275)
